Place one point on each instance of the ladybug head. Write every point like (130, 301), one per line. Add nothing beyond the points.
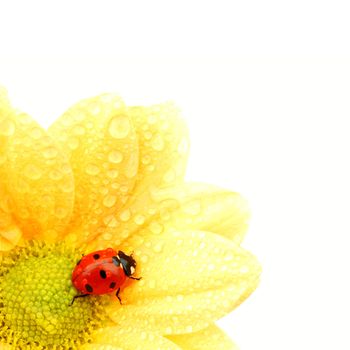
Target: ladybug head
(128, 263)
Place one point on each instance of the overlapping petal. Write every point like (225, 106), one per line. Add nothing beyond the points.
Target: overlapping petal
(163, 150)
(99, 347)
(210, 338)
(100, 139)
(193, 206)
(10, 233)
(129, 338)
(126, 166)
(188, 280)
(37, 177)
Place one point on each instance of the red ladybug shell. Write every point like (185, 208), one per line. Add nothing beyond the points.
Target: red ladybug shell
(98, 273)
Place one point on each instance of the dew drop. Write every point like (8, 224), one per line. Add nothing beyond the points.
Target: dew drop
(148, 135)
(119, 127)
(146, 159)
(125, 215)
(78, 130)
(158, 247)
(156, 228)
(55, 175)
(61, 212)
(109, 201)
(113, 173)
(73, 143)
(169, 176)
(139, 219)
(144, 258)
(244, 269)
(7, 127)
(50, 152)
(3, 159)
(92, 169)
(32, 172)
(107, 236)
(115, 157)
(152, 284)
(36, 133)
(152, 119)
(157, 143)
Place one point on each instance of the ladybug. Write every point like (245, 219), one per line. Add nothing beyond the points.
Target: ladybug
(102, 272)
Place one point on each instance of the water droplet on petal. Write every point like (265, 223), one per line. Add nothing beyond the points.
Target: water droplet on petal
(169, 176)
(152, 284)
(73, 143)
(157, 143)
(32, 172)
(139, 219)
(115, 157)
(113, 173)
(119, 127)
(50, 152)
(92, 169)
(78, 130)
(61, 212)
(158, 247)
(55, 175)
(7, 127)
(125, 215)
(156, 228)
(36, 133)
(109, 201)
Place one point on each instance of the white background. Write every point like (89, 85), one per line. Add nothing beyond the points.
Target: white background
(265, 87)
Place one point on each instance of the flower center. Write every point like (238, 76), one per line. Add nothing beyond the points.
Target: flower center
(35, 299)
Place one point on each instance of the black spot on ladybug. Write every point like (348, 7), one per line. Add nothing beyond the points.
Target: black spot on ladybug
(103, 274)
(112, 285)
(96, 256)
(89, 288)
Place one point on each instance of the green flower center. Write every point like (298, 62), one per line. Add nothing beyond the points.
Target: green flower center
(35, 300)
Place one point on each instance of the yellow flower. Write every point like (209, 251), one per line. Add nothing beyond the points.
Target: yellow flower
(107, 175)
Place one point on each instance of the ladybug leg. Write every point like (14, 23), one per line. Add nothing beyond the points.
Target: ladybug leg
(78, 296)
(117, 295)
(135, 278)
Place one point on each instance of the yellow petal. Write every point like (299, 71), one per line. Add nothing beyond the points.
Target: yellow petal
(10, 233)
(194, 206)
(101, 142)
(37, 176)
(5, 347)
(99, 347)
(189, 279)
(163, 150)
(129, 338)
(210, 338)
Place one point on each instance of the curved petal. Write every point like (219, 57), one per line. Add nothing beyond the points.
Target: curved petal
(194, 206)
(189, 279)
(10, 233)
(99, 347)
(5, 347)
(36, 175)
(208, 338)
(163, 148)
(129, 338)
(101, 142)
